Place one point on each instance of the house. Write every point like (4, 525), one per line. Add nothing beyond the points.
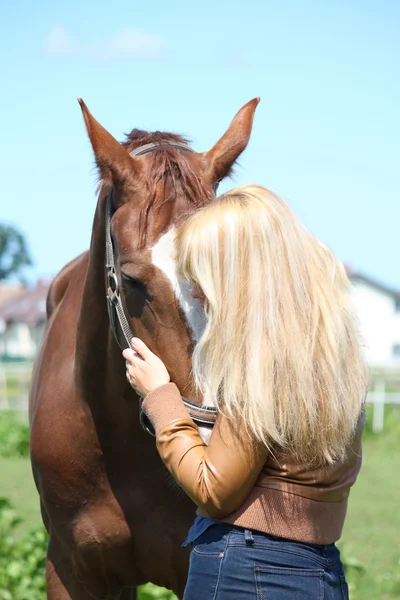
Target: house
(8, 291)
(378, 308)
(22, 321)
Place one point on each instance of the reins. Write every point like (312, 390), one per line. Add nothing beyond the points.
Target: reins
(203, 416)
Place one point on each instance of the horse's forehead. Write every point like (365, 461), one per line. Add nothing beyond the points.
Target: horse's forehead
(163, 257)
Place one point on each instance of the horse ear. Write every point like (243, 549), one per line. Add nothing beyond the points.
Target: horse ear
(111, 156)
(220, 159)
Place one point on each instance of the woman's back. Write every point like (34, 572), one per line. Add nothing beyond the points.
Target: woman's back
(282, 360)
(293, 500)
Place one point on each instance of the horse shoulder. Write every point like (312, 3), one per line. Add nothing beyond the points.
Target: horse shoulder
(62, 282)
(53, 365)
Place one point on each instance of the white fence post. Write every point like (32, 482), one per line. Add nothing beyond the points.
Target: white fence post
(379, 406)
(3, 390)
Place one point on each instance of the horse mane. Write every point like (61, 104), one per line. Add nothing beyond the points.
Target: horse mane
(169, 165)
(139, 137)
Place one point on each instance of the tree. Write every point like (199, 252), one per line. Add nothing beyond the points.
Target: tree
(14, 254)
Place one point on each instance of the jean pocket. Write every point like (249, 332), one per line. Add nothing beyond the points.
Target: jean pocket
(205, 552)
(282, 583)
(210, 548)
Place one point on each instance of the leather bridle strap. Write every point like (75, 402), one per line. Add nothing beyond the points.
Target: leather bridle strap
(202, 415)
(115, 309)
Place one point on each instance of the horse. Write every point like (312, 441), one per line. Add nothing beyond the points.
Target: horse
(115, 517)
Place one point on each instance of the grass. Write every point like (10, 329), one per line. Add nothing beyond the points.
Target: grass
(371, 539)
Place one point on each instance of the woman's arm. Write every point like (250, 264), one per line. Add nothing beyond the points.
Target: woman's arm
(217, 477)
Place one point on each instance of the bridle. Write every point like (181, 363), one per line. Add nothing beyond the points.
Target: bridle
(203, 416)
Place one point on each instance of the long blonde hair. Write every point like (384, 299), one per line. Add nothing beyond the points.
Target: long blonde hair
(281, 350)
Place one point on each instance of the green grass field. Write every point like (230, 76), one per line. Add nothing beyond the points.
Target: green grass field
(371, 541)
(371, 537)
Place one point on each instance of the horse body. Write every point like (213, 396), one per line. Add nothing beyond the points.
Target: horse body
(115, 517)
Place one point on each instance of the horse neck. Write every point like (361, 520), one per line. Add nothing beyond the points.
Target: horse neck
(99, 366)
(94, 346)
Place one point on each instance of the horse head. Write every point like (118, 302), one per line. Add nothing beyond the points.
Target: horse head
(156, 180)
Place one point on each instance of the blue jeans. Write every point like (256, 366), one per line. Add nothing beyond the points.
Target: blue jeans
(228, 563)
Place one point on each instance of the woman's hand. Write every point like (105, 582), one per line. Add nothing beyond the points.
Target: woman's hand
(144, 370)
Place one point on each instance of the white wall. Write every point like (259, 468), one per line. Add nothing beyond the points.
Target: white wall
(379, 321)
(19, 341)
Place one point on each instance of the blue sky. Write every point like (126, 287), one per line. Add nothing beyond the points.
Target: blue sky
(326, 135)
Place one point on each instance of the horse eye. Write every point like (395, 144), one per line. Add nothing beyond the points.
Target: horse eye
(133, 282)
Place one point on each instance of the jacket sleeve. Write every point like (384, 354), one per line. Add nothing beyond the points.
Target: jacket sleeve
(217, 477)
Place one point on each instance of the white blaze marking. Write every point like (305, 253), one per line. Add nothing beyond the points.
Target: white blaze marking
(162, 256)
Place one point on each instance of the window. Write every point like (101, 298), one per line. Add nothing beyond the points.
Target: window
(396, 350)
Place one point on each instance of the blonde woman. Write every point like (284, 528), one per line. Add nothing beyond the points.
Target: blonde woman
(280, 357)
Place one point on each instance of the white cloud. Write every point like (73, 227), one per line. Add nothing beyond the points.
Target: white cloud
(137, 42)
(128, 42)
(59, 42)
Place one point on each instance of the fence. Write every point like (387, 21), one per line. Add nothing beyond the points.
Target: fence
(15, 380)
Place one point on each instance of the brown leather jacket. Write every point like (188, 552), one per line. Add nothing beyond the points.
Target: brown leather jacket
(237, 481)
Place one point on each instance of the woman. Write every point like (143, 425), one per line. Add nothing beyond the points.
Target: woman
(280, 358)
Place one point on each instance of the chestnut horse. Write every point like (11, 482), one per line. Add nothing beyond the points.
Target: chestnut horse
(115, 517)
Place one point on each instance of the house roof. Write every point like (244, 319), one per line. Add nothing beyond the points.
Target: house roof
(27, 307)
(357, 276)
(8, 291)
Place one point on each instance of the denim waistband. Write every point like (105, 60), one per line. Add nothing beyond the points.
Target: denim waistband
(252, 536)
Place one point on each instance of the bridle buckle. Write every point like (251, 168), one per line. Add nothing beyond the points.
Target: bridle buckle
(113, 286)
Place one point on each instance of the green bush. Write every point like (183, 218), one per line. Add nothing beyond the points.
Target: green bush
(22, 559)
(14, 435)
(152, 592)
